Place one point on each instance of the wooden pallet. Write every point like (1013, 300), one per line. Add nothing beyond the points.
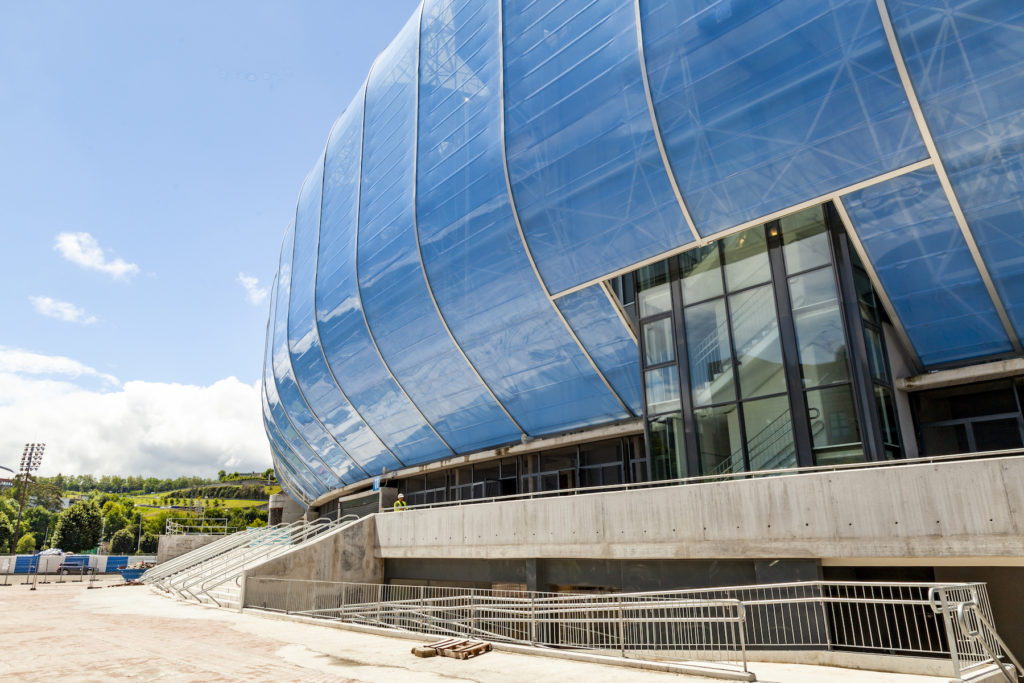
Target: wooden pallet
(460, 648)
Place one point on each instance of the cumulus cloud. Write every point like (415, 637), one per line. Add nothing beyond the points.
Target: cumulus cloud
(253, 292)
(21, 362)
(61, 310)
(147, 428)
(83, 249)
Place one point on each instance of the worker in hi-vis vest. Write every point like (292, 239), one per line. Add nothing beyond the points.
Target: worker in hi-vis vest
(400, 503)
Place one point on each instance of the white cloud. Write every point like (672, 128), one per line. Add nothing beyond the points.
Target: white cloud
(61, 310)
(147, 428)
(83, 249)
(253, 292)
(21, 362)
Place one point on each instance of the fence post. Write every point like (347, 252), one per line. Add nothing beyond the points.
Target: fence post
(472, 612)
(943, 608)
(533, 619)
(622, 631)
(288, 599)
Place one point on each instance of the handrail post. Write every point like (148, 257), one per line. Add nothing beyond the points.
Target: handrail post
(622, 631)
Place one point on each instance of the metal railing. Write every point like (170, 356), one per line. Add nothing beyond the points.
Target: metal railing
(183, 562)
(628, 625)
(721, 626)
(727, 476)
(200, 572)
(967, 617)
(214, 526)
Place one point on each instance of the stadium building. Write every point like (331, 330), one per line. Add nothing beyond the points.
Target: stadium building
(665, 247)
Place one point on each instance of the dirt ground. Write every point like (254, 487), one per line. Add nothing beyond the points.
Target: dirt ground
(67, 632)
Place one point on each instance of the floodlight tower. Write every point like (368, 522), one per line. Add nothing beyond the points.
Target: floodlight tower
(31, 458)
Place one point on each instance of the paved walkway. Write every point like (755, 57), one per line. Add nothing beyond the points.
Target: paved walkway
(66, 632)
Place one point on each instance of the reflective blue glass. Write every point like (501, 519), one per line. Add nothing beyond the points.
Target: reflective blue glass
(479, 271)
(964, 59)
(764, 104)
(301, 476)
(604, 335)
(589, 182)
(315, 484)
(402, 317)
(285, 476)
(343, 332)
(329, 460)
(915, 245)
(311, 371)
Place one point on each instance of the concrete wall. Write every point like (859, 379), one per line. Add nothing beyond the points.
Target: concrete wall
(969, 508)
(290, 510)
(173, 546)
(346, 554)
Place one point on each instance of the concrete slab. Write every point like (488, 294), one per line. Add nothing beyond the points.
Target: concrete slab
(66, 632)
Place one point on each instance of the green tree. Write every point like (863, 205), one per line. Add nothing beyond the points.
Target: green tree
(150, 542)
(114, 521)
(6, 531)
(37, 521)
(78, 527)
(122, 543)
(26, 544)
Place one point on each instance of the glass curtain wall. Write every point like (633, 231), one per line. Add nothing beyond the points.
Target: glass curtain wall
(745, 349)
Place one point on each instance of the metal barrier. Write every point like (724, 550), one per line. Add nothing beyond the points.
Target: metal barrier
(628, 625)
(720, 626)
(975, 645)
(212, 526)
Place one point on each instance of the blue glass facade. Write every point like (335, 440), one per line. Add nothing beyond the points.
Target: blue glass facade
(441, 289)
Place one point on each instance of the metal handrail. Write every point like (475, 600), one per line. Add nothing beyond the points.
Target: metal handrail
(984, 640)
(729, 476)
(199, 555)
(224, 574)
(282, 537)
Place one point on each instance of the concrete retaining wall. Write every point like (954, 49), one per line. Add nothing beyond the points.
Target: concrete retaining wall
(346, 554)
(171, 547)
(969, 509)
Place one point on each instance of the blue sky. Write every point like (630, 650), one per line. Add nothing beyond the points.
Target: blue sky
(150, 159)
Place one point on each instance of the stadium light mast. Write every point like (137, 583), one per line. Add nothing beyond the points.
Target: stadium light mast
(31, 458)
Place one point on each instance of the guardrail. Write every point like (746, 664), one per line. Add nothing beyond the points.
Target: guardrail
(212, 526)
(729, 476)
(718, 626)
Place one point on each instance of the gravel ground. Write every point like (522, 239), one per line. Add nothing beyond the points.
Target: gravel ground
(67, 632)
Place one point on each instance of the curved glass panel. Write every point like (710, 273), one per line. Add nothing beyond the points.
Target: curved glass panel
(329, 459)
(473, 255)
(302, 477)
(343, 332)
(311, 371)
(588, 178)
(763, 105)
(913, 241)
(285, 476)
(315, 485)
(964, 59)
(606, 339)
(400, 313)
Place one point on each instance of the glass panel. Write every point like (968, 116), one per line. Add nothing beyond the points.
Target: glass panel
(865, 295)
(834, 430)
(710, 357)
(662, 389)
(819, 328)
(887, 416)
(668, 449)
(755, 332)
(957, 403)
(701, 270)
(658, 342)
(991, 435)
(746, 259)
(805, 242)
(718, 437)
(653, 290)
(944, 439)
(876, 355)
(769, 429)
